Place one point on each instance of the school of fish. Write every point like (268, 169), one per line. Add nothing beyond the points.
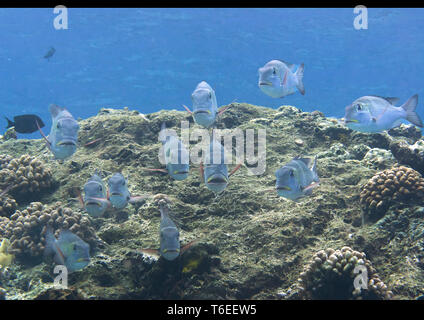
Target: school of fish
(294, 180)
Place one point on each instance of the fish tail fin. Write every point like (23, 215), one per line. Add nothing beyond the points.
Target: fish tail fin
(9, 123)
(409, 106)
(299, 76)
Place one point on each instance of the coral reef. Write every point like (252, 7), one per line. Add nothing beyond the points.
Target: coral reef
(26, 229)
(7, 206)
(26, 176)
(331, 275)
(251, 244)
(411, 155)
(391, 185)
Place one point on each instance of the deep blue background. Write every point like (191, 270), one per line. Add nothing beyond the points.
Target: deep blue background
(152, 59)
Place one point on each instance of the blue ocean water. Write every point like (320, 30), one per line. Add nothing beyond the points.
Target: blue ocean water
(151, 59)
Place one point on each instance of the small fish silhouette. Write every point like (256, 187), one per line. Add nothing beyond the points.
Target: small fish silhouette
(49, 53)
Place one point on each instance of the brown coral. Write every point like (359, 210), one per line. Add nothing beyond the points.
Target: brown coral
(26, 229)
(331, 274)
(396, 184)
(26, 176)
(7, 206)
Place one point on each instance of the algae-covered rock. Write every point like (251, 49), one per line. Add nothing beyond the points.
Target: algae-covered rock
(249, 243)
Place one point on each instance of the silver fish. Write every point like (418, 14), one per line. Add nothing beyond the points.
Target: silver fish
(279, 79)
(295, 180)
(63, 137)
(95, 196)
(376, 114)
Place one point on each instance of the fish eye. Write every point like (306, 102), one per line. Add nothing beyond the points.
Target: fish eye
(274, 71)
(100, 188)
(291, 173)
(358, 107)
(123, 183)
(58, 125)
(210, 95)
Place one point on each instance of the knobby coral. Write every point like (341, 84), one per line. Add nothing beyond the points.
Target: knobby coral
(25, 176)
(398, 184)
(333, 274)
(26, 229)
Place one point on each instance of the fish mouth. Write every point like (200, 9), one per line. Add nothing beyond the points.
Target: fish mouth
(180, 172)
(118, 194)
(284, 188)
(351, 121)
(265, 83)
(171, 250)
(93, 203)
(217, 179)
(202, 112)
(66, 143)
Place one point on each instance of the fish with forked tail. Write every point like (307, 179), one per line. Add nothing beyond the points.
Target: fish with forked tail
(376, 114)
(26, 123)
(278, 79)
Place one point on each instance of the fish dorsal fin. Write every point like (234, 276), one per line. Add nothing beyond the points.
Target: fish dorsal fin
(289, 65)
(98, 172)
(55, 109)
(306, 161)
(391, 100)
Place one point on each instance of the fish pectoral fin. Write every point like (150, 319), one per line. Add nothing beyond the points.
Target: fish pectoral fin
(92, 142)
(202, 172)
(138, 198)
(310, 187)
(188, 110)
(235, 169)
(154, 252)
(188, 246)
(223, 109)
(155, 170)
(44, 136)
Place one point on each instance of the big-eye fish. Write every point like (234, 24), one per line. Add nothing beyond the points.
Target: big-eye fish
(376, 114)
(63, 137)
(169, 236)
(95, 199)
(214, 170)
(118, 193)
(205, 107)
(69, 250)
(279, 79)
(295, 179)
(175, 154)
